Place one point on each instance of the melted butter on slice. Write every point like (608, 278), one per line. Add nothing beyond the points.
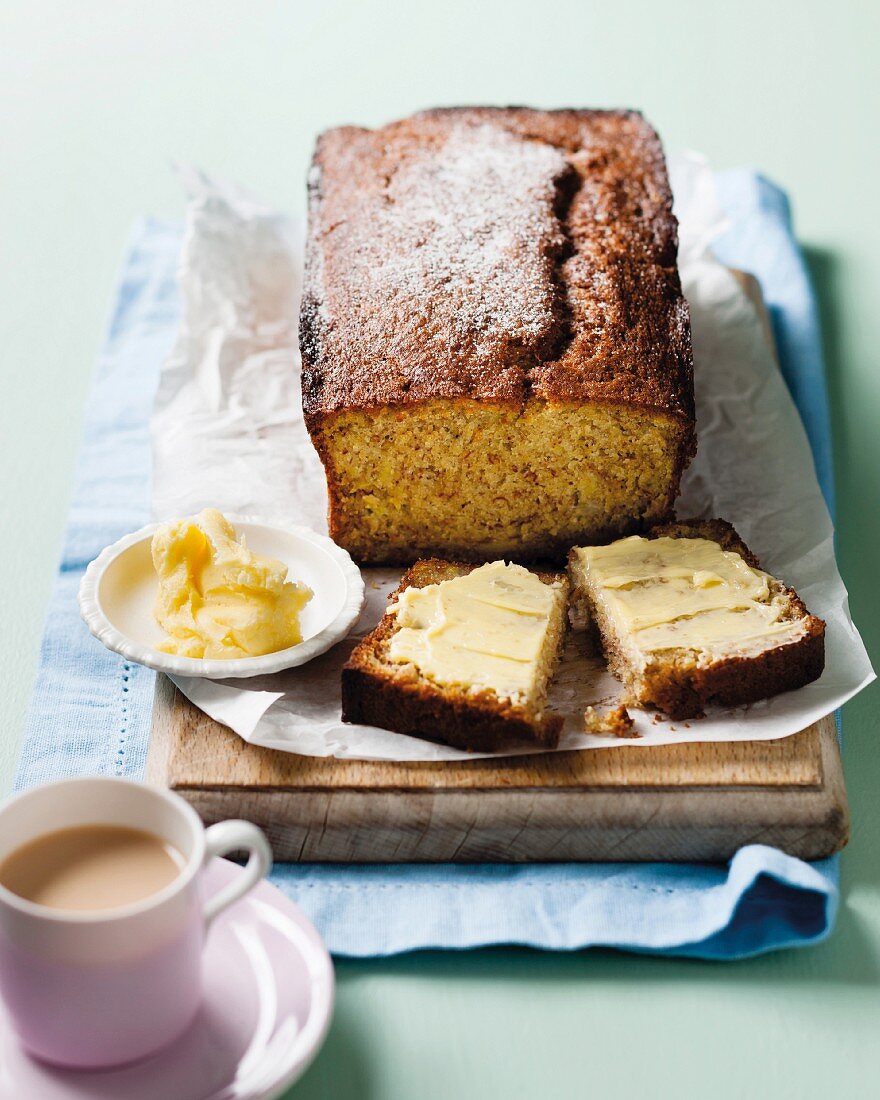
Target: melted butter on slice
(484, 630)
(670, 593)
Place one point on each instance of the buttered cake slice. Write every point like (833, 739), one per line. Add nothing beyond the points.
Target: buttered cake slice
(686, 617)
(464, 655)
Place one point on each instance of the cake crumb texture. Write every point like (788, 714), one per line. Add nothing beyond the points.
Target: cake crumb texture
(616, 722)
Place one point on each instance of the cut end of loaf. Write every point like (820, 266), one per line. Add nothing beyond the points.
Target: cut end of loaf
(479, 480)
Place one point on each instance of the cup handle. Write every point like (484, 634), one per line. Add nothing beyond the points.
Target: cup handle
(227, 836)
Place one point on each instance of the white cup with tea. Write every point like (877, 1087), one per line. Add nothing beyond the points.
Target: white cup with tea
(103, 918)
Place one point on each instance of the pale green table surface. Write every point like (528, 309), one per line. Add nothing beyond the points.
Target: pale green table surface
(99, 98)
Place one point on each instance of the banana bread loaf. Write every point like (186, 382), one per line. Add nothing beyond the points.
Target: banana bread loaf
(496, 350)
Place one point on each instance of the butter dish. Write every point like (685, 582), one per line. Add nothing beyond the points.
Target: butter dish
(118, 592)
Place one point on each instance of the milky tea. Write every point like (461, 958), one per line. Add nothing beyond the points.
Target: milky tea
(91, 867)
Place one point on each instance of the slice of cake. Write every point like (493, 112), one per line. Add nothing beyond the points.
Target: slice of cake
(686, 617)
(496, 350)
(463, 655)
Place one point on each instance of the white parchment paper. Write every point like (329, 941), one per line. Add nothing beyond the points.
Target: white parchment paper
(228, 432)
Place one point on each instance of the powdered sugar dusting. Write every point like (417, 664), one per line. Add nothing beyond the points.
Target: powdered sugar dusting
(480, 213)
(458, 244)
(498, 254)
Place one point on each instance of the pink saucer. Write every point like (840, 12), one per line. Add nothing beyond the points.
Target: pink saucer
(267, 1007)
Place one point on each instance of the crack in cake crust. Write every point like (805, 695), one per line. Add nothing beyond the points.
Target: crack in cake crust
(579, 199)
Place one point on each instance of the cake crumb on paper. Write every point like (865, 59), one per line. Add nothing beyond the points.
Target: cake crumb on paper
(617, 722)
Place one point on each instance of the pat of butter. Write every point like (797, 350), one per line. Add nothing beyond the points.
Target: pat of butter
(484, 630)
(218, 599)
(686, 593)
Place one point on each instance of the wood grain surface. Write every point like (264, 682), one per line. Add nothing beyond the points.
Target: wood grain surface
(683, 802)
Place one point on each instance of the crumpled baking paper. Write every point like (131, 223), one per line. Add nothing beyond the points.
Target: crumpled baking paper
(228, 432)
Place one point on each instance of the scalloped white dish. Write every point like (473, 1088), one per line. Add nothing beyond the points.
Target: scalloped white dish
(117, 594)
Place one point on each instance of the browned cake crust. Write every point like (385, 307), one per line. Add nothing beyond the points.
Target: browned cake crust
(377, 692)
(682, 689)
(587, 305)
(507, 257)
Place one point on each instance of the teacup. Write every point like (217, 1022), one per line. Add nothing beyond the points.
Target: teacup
(103, 987)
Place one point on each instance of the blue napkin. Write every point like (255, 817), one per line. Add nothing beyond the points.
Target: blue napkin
(91, 710)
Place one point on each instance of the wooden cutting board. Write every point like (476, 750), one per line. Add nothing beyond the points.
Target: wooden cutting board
(678, 802)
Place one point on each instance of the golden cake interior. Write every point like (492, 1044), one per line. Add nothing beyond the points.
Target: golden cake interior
(473, 479)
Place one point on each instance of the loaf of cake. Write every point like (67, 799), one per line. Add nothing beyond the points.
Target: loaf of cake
(686, 617)
(464, 655)
(496, 351)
